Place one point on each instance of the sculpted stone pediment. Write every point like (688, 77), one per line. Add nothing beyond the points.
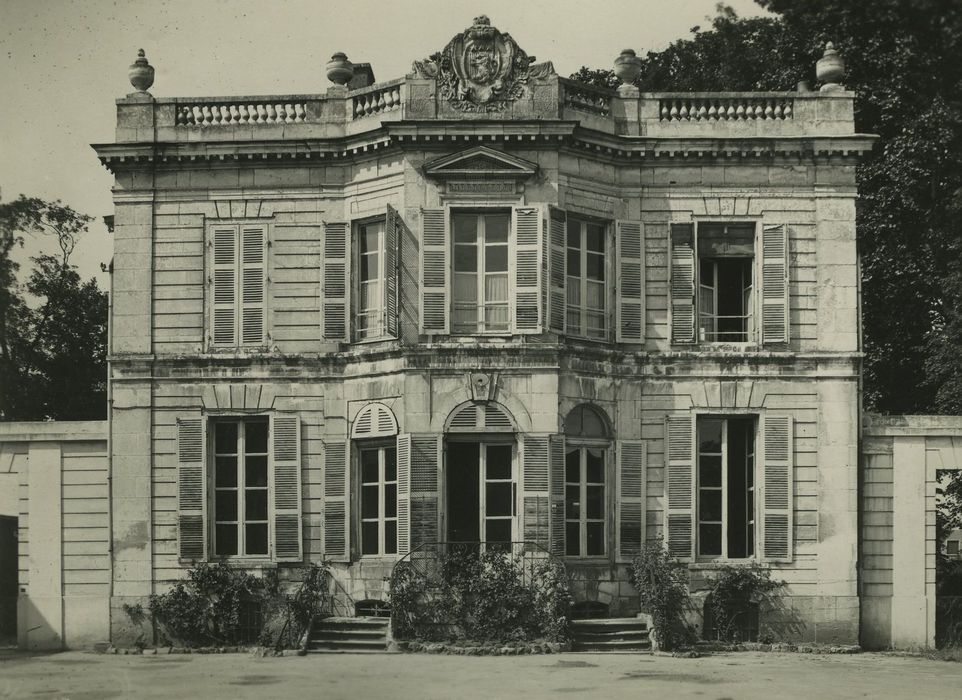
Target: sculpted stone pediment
(480, 161)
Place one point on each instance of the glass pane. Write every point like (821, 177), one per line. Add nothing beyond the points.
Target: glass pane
(369, 265)
(225, 537)
(465, 258)
(369, 239)
(256, 538)
(256, 471)
(596, 465)
(498, 461)
(706, 273)
(572, 502)
(574, 233)
(497, 530)
(595, 505)
(369, 538)
(595, 238)
(595, 265)
(225, 505)
(574, 263)
(573, 464)
(390, 464)
(595, 295)
(498, 498)
(496, 228)
(256, 504)
(465, 228)
(709, 539)
(709, 471)
(390, 537)
(710, 505)
(225, 438)
(466, 287)
(596, 539)
(369, 501)
(496, 317)
(496, 288)
(225, 473)
(369, 469)
(572, 541)
(709, 435)
(255, 437)
(390, 501)
(496, 258)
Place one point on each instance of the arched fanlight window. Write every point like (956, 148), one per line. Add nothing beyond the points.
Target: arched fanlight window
(375, 420)
(587, 422)
(480, 418)
(586, 482)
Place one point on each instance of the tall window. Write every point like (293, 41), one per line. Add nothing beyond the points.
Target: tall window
(586, 450)
(378, 500)
(240, 488)
(585, 264)
(237, 283)
(370, 314)
(726, 487)
(480, 285)
(725, 274)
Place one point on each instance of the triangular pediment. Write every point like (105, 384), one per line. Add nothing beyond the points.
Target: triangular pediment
(480, 160)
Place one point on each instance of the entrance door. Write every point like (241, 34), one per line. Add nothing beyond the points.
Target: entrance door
(481, 492)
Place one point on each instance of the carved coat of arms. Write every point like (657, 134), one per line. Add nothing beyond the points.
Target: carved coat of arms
(481, 69)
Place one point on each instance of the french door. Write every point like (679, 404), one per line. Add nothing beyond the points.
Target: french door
(481, 492)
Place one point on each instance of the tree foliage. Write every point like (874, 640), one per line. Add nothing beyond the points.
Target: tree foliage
(903, 64)
(53, 327)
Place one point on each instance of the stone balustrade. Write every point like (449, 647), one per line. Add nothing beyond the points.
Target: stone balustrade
(376, 99)
(228, 113)
(586, 98)
(740, 108)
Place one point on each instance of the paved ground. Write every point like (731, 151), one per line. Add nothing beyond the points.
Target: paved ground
(86, 676)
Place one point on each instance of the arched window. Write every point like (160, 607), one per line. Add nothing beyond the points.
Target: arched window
(374, 428)
(586, 477)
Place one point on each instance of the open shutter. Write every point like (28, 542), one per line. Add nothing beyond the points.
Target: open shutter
(630, 482)
(524, 260)
(534, 490)
(682, 289)
(335, 306)
(435, 273)
(253, 282)
(392, 241)
(425, 464)
(403, 494)
(775, 284)
(680, 485)
(224, 284)
(556, 454)
(336, 490)
(191, 490)
(557, 277)
(630, 240)
(285, 480)
(777, 488)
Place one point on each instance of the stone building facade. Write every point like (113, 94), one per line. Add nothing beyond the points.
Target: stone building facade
(486, 303)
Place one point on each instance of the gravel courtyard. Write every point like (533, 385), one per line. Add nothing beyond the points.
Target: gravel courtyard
(87, 676)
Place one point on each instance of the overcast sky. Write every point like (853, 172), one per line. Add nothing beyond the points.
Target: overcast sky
(63, 63)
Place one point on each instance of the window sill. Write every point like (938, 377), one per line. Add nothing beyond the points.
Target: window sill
(718, 564)
(602, 560)
(245, 562)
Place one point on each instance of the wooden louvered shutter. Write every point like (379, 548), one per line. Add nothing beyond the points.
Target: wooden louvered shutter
(630, 324)
(534, 490)
(336, 491)
(224, 286)
(285, 481)
(524, 261)
(557, 277)
(680, 485)
(336, 304)
(253, 282)
(630, 501)
(403, 494)
(777, 478)
(682, 288)
(435, 273)
(392, 254)
(775, 284)
(556, 467)
(191, 489)
(425, 464)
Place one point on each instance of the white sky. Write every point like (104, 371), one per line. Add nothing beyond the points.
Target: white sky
(62, 64)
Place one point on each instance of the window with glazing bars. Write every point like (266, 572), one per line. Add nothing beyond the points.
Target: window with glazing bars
(586, 289)
(378, 500)
(480, 281)
(240, 488)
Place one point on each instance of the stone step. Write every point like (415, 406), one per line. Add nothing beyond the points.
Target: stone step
(630, 645)
(609, 625)
(338, 633)
(354, 623)
(347, 645)
(612, 635)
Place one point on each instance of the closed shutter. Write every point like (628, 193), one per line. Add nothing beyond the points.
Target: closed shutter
(777, 488)
(191, 489)
(682, 288)
(425, 464)
(253, 283)
(556, 454)
(680, 485)
(435, 273)
(336, 490)
(630, 240)
(224, 286)
(524, 260)
(630, 482)
(335, 306)
(774, 284)
(403, 494)
(534, 490)
(557, 277)
(392, 253)
(285, 480)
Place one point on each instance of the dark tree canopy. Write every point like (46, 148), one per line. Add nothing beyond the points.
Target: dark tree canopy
(904, 60)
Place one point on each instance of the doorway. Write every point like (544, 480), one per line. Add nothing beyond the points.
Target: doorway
(481, 491)
(8, 581)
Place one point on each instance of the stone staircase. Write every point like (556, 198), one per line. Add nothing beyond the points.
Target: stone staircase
(624, 634)
(349, 635)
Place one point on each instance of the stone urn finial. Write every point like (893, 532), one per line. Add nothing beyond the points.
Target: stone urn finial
(339, 69)
(627, 66)
(830, 69)
(141, 73)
